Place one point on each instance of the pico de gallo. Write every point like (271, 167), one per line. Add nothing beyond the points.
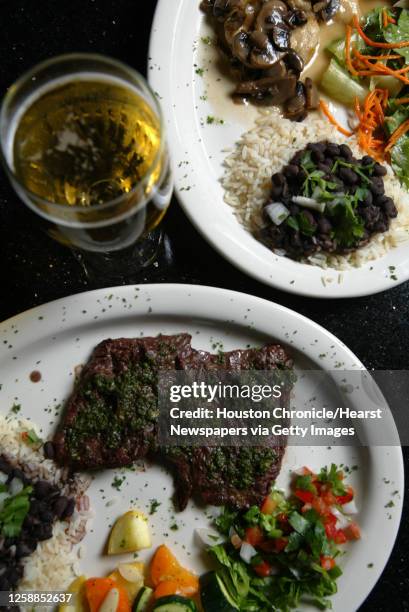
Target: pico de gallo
(286, 551)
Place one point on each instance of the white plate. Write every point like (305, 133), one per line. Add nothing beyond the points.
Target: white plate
(176, 53)
(57, 337)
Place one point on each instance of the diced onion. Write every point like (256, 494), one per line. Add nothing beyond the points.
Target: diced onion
(247, 552)
(130, 572)
(350, 507)
(3, 478)
(111, 601)
(209, 537)
(342, 520)
(16, 486)
(309, 203)
(277, 212)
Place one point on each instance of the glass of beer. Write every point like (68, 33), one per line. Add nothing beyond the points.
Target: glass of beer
(82, 140)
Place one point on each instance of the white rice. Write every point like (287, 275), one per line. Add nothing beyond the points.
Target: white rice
(54, 564)
(268, 146)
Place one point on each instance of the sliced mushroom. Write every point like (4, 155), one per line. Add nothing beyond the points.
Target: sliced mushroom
(294, 61)
(278, 90)
(271, 13)
(311, 95)
(296, 18)
(295, 106)
(233, 25)
(331, 8)
(241, 47)
(281, 36)
(262, 59)
(277, 71)
(259, 39)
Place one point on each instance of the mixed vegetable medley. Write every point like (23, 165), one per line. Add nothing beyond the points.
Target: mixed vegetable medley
(267, 558)
(286, 551)
(369, 71)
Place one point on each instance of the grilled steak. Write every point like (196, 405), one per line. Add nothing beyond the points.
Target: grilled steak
(111, 418)
(237, 476)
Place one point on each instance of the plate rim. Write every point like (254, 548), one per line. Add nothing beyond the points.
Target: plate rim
(162, 37)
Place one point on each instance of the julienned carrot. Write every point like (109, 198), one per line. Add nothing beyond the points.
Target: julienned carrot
(401, 101)
(371, 119)
(385, 18)
(400, 131)
(331, 119)
(374, 43)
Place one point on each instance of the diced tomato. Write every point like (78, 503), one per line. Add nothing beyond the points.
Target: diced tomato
(319, 505)
(280, 544)
(352, 532)
(254, 536)
(340, 537)
(327, 563)
(263, 569)
(328, 517)
(268, 546)
(268, 506)
(330, 531)
(305, 496)
(328, 497)
(345, 499)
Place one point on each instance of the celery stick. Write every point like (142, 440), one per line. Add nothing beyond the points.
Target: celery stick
(338, 84)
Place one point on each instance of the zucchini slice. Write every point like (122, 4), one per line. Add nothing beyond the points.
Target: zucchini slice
(142, 600)
(174, 603)
(214, 595)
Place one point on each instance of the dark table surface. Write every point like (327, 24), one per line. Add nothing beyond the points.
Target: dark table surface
(34, 269)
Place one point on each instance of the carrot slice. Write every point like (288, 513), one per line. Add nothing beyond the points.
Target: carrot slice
(331, 119)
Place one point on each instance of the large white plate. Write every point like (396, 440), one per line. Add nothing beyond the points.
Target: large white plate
(177, 51)
(59, 336)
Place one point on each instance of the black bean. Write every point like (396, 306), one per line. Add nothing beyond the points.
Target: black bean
(44, 532)
(42, 489)
(371, 215)
(47, 516)
(5, 467)
(276, 192)
(294, 209)
(291, 171)
(381, 226)
(69, 509)
(348, 176)
(324, 225)
(368, 199)
(323, 167)
(367, 160)
(22, 550)
(345, 151)
(317, 146)
(60, 505)
(278, 179)
(376, 185)
(390, 208)
(379, 170)
(49, 450)
(332, 150)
